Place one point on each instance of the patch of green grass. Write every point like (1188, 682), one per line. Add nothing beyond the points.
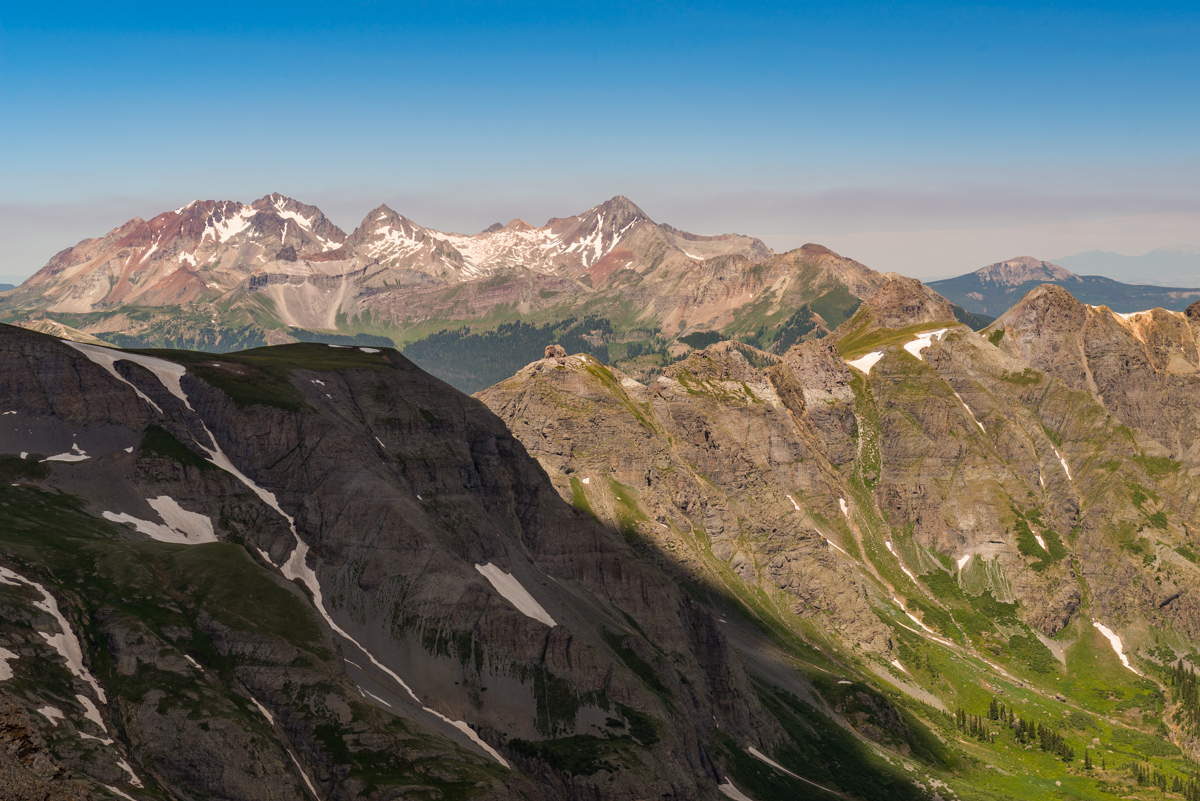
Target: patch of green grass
(262, 376)
(1030, 651)
(996, 336)
(579, 497)
(1143, 744)
(1158, 466)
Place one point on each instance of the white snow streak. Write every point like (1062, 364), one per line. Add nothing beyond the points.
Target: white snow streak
(1117, 646)
(1063, 462)
(508, 586)
(845, 509)
(133, 779)
(793, 500)
(65, 642)
(923, 341)
(265, 712)
(115, 791)
(962, 561)
(864, 363)
(968, 408)
(167, 372)
(376, 697)
(896, 664)
(369, 350)
(1041, 542)
(907, 572)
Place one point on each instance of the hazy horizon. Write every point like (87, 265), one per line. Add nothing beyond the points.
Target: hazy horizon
(924, 139)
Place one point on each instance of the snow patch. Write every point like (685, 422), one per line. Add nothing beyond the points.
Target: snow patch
(194, 663)
(76, 454)
(587, 481)
(223, 230)
(91, 712)
(732, 792)
(845, 509)
(369, 350)
(182, 527)
(896, 664)
(508, 586)
(1117, 646)
(65, 642)
(6, 671)
(793, 500)
(115, 791)
(923, 341)
(962, 561)
(52, 714)
(1041, 542)
(865, 363)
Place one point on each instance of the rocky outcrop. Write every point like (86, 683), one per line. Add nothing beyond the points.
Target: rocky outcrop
(27, 770)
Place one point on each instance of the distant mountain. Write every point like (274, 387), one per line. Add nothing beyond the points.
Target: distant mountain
(991, 290)
(471, 308)
(1167, 266)
(6, 287)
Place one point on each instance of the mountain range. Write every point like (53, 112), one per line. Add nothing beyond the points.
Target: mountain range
(222, 275)
(992, 289)
(902, 560)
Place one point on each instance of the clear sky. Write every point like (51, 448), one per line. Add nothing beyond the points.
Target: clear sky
(927, 138)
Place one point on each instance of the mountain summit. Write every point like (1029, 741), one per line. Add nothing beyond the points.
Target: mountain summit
(1023, 270)
(992, 289)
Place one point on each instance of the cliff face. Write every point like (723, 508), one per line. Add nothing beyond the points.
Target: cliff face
(355, 578)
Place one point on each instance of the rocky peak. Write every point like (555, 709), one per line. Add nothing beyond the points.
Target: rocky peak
(905, 301)
(1023, 270)
(1047, 306)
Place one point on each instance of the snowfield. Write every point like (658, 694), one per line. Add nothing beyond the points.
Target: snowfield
(512, 590)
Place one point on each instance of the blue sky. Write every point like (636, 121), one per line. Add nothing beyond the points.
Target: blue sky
(924, 138)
